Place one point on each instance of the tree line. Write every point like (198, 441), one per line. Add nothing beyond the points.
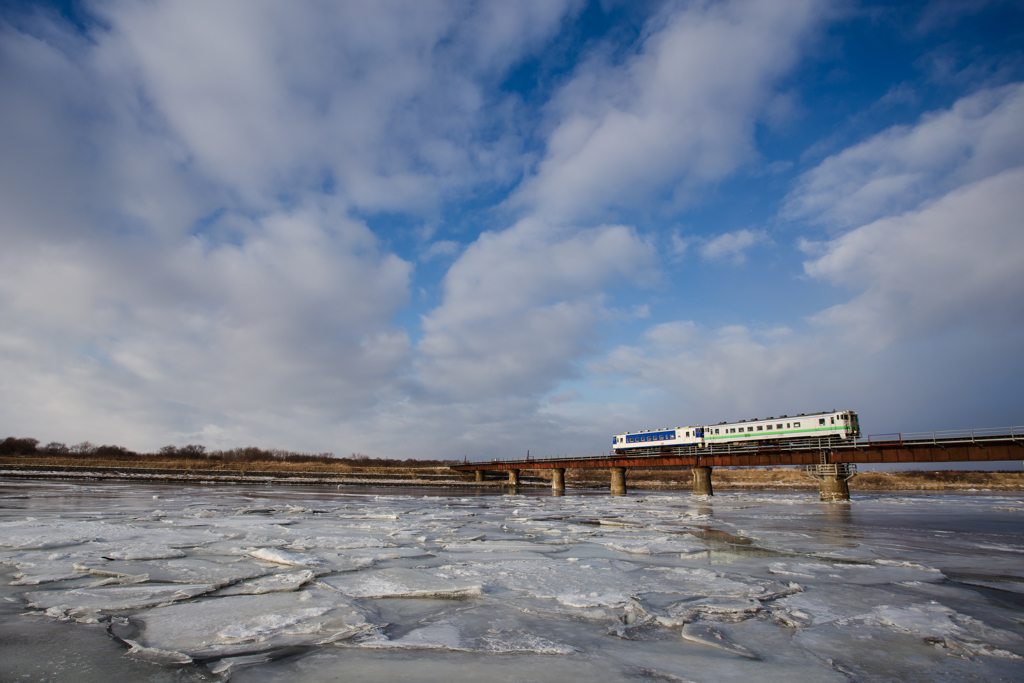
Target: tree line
(27, 447)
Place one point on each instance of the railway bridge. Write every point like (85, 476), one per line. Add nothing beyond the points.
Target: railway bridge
(832, 461)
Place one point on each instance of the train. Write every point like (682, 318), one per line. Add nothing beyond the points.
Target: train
(840, 425)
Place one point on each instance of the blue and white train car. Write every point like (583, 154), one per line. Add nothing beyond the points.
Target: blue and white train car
(680, 436)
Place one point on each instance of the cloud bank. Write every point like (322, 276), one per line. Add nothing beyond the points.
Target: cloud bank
(457, 229)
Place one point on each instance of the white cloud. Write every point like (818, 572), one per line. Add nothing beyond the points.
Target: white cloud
(733, 246)
(521, 305)
(439, 249)
(943, 246)
(676, 116)
(954, 262)
(382, 102)
(899, 168)
(935, 311)
(700, 375)
(180, 260)
(294, 322)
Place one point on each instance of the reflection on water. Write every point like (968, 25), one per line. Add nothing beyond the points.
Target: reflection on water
(837, 524)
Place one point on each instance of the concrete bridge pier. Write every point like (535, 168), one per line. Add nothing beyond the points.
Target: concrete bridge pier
(479, 475)
(513, 477)
(702, 481)
(618, 481)
(833, 488)
(558, 480)
(833, 479)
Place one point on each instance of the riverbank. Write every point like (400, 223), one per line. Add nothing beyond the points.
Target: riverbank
(290, 473)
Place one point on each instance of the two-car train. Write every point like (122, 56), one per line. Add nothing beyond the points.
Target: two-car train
(838, 425)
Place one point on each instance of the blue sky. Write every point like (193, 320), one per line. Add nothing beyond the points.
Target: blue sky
(447, 229)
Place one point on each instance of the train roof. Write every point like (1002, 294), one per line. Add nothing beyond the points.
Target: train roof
(755, 419)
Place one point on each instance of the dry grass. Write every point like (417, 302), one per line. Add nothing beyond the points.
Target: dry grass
(213, 466)
(950, 479)
(670, 479)
(795, 478)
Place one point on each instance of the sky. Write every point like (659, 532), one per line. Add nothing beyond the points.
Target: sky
(443, 229)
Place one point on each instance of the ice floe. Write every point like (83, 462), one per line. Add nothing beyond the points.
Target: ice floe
(87, 602)
(274, 583)
(242, 577)
(944, 627)
(401, 583)
(226, 626)
(289, 558)
(187, 570)
(705, 634)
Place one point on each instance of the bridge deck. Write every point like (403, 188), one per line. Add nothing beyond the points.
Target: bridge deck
(939, 447)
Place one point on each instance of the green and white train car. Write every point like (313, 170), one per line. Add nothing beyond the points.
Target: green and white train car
(842, 424)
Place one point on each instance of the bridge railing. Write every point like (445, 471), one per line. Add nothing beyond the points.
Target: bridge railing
(948, 435)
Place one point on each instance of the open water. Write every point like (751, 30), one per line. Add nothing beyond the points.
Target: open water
(136, 582)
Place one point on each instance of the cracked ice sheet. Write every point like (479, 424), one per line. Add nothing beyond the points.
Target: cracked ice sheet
(597, 582)
(935, 623)
(242, 624)
(489, 628)
(880, 572)
(789, 654)
(78, 601)
(188, 570)
(402, 583)
(58, 533)
(925, 641)
(650, 545)
(275, 583)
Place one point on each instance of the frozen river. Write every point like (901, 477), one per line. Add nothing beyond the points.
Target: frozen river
(133, 582)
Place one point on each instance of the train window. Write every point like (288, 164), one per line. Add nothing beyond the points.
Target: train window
(821, 420)
(796, 424)
(760, 428)
(767, 426)
(778, 426)
(832, 420)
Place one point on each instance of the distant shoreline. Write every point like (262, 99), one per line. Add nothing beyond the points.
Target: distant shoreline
(287, 474)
